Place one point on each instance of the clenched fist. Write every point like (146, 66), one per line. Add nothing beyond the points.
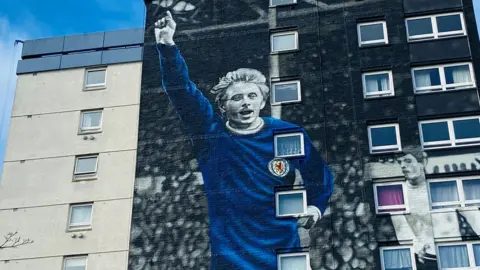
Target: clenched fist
(165, 29)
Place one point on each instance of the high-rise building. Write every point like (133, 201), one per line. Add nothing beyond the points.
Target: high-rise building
(272, 134)
(69, 166)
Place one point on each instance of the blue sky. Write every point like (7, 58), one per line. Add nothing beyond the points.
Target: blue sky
(30, 19)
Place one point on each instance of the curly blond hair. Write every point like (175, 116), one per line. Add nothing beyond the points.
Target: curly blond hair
(241, 75)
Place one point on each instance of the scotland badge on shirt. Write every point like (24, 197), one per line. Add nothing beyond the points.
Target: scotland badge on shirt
(278, 167)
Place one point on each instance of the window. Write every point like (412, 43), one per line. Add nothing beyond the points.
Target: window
(86, 166)
(384, 138)
(80, 216)
(454, 132)
(289, 145)
(297, 261)
(285, 92)
(453, 193)
(372, 33)
(91, 121)
(284, 41)
(75, 263)
(377, 84)
(282, 2)
(390, 197)
(292, 203)
(459, 255)
(443, 77)
(395, 258)
(95, 78)
(437, 26)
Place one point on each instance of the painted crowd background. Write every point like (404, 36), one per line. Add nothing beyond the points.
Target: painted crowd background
(170, 225)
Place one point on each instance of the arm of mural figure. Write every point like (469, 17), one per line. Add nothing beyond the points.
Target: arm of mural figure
(194, 109)
(318, 180)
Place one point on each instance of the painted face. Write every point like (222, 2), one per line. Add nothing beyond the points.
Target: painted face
(411, 168)
(243, 104)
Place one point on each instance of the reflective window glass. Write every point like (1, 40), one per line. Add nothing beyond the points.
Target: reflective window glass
(437, 131)
(449, 23)
(467, 128)
(372, 32)
(420, 26)
(383, 136)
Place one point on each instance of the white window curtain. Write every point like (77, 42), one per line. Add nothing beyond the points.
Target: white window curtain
(284, 42)
(81, 215)
(422, 78)
(96, 77)
(397, 259)
(290, 204)
(290, 145)
(85, 165)
(476, 253)
(87, 120)
(75, 264)
(472, 189)
(91, 119)
(444, 191)
(294, 263)
(453, 256)
(377, 83)
(459, 74)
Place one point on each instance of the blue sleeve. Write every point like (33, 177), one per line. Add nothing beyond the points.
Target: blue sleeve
(317, 177)
(194, 110)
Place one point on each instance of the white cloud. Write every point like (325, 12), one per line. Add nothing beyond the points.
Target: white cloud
(9, 55)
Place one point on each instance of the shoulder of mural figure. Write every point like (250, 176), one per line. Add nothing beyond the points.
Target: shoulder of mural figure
(194, 109)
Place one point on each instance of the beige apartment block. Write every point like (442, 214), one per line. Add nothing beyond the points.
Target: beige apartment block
(69, 167)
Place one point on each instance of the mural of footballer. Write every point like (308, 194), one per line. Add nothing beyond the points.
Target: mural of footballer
(233, 151)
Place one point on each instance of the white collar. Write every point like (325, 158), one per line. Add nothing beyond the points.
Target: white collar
(246, 131)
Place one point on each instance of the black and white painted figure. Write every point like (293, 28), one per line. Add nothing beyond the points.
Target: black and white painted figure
(419, 219)
(413, 169)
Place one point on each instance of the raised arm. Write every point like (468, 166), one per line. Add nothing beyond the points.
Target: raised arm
(193, 108)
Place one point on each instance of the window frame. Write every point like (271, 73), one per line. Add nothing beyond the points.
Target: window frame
(471, 254)
(412, 255)
(299, 92)
(284, 192)
(462, 201)
(293, 254)
(288, 134)
(435, 34)
(443, 81)
(378, 94)
(97, 86)
(283, 33)
(80, 226)
(66, 258)
(405, 198)
(397, 133)
(451, 131)
(279, 5)
(377, 42)
(85, 175)
(83, 130)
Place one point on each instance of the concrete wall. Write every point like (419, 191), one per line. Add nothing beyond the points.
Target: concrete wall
(37, 185)
(57, 91)
(60, 132)
(31, 183)
(112, 260)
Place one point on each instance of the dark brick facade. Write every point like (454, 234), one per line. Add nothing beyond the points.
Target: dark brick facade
(170, 222)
